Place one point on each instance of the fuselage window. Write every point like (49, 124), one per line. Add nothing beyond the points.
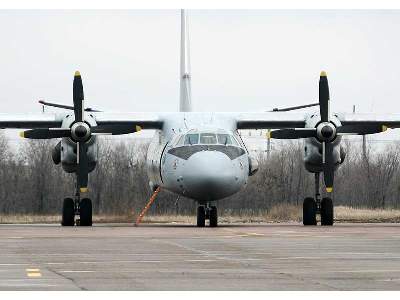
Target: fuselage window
(208, 138)
(224, 139)
(192, 139)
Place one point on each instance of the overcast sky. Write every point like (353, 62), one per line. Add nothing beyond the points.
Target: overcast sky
(242, 60)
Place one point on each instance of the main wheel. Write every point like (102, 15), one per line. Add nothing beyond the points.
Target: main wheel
(309, 211)
(326, 212)
(68, 212)
(213, 216)
(86, 212)
(201, 216)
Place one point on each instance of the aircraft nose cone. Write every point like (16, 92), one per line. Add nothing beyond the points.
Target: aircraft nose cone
(211, 175)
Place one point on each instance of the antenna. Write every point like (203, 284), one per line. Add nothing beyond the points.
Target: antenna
(185, 103)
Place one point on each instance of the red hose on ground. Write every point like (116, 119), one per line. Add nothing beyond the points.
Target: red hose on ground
(146, 208)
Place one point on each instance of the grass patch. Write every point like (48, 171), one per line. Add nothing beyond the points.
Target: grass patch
(279, 213)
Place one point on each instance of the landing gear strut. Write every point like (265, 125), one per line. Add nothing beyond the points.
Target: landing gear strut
(207, 212)
(312, 207)
(77, 207)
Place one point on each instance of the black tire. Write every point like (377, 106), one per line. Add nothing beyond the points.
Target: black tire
(201, 216)
(309, 212)
(326, 212)
(86, 212)
(213, 216)
(68, 212)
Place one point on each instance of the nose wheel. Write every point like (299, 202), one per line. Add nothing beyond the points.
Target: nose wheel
(207, 212)
(312, 207)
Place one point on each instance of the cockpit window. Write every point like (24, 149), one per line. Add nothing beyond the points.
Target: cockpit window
(180, 141)
(191, 139)
(224, 139)
(208, 138)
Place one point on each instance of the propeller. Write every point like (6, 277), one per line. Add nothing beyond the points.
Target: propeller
(80, 132)
(326, 132)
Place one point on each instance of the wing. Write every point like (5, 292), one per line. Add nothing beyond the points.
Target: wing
(386, 120)
(27, 120)
(143, 120)
(270, 120)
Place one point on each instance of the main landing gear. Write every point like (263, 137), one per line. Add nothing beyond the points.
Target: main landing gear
(207, 212)
(77, 207)
(312, 207)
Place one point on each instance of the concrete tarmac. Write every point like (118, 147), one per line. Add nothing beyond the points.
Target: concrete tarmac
(183, 257)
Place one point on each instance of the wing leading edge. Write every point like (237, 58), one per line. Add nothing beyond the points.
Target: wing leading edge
(270, 120)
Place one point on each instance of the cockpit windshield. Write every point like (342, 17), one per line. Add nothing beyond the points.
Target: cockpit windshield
(191, 139)
(208, 138)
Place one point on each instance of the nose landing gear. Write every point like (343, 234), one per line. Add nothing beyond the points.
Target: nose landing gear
(207, 212)
(312, 207)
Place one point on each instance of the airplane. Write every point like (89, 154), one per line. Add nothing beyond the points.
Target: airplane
(199, 155)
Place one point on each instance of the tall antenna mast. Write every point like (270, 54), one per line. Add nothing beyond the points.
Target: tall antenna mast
(185, 103)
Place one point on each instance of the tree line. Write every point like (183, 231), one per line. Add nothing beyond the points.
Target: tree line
(32, 184)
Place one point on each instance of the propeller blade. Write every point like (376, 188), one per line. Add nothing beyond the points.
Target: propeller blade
(328, 166)
(324, 97)
(78, 97)
(294, 107)
(46, 133)
(360, 129)
(292, 133)
(114, 129)
(82, 171)
(45, 103)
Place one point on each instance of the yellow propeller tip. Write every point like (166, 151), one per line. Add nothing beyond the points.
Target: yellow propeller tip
(77, 73)
(138, 128)
(22, 134)
(84, 190)
(384, 128)
(323, 74)
(268, 134)
(329, 189)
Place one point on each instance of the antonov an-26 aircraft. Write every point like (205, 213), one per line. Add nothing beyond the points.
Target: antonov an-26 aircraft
(198, 155)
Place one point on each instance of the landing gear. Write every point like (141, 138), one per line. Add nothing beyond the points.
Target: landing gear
(77, 207)
(312, 207)
(326, 212)
(86, 212)
(213, 216)
(207, 212)
(309, 211)
(201, 216)
(68, 212)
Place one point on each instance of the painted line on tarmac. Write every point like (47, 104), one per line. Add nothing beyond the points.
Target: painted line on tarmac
(365, 271)
(33, 273)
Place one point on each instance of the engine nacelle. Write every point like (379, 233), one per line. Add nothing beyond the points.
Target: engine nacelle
(69, 155)
(67, 148)
(56, 154)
